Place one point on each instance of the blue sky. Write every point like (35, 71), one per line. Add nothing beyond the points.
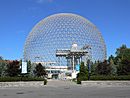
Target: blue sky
(17, 18)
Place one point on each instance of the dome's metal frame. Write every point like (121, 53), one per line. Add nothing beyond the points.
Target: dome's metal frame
(60, 31)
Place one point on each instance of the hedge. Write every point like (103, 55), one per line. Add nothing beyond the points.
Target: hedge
(110, 77)
(15, 79)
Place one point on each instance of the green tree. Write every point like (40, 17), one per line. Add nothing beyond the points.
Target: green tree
(93, 68)
(113, 67)
(122, 60)
(13, 68)
(119, 50)
(82, 68)
(123, 52)
(126, 54)
(103, 68)
(40, 70)
(124, 67)
(111, 57)
(29, 67)
(83, 74)
(3, 65)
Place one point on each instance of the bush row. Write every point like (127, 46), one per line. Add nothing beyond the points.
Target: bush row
(110, 77)
(15, 79)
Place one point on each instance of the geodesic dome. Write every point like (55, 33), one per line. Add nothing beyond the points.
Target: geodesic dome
(60, 31)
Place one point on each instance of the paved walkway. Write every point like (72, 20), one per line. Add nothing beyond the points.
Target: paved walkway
(65, 89)
(61, 83)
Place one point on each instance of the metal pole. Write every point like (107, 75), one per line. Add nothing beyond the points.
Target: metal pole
(59, 61)
(73, 63)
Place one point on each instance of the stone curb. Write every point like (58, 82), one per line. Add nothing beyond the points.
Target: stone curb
(22, 84)
(106, 83)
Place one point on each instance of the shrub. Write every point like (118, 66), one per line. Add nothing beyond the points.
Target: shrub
(124, 67)
(83, 74)
(13, 68)
(110, 77)
(40, 70)
(103, 68)
(15, 79)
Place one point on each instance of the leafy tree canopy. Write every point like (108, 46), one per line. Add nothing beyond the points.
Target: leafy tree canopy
(40, 70)
(13, 68)
(123, 52)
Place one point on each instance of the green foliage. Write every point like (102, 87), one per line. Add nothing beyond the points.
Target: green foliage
(119, 51)
(111, 58)
(93, 68)
(123, 52)
(110, 77)
(78, 79)
(3, 65)
(29, 68)
(124, 67)
(113, 67)
(122, 60)
(13, 68)
(13, 79)
(40, 70)
(127, 54)
(83, 74)
(103, 68)
(82, 68)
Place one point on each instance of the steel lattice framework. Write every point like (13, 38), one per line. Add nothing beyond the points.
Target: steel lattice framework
(60, 31)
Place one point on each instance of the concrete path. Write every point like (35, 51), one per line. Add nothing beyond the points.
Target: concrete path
(60, 83)
(65, 89)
